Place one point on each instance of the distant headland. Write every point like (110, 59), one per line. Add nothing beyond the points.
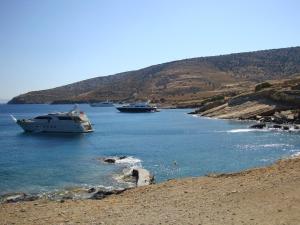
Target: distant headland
(183, 83)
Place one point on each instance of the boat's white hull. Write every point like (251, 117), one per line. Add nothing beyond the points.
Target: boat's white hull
(62, 127)
(73, 121)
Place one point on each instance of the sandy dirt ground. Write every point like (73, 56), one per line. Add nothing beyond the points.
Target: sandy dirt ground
(262, 196)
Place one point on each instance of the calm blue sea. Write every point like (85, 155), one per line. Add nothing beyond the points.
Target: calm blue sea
(45, 162)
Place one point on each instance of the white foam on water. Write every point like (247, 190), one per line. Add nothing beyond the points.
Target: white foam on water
(205, 117)
(254, 147)
(209, 118)
(297, 154)
(125, 177)
(262, 130)
(275, 145)
(246, 130)
(131, 161)
(265, 160)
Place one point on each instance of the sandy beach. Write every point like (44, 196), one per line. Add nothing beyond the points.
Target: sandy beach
(260, 196)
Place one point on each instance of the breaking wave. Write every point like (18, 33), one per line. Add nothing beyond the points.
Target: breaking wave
(297, 154)
(130, 161)
(282, 146)
(275, 145)
(246, 130)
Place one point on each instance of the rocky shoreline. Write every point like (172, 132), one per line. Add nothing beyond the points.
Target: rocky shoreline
(276, 102)
(74, 193)
(268, 195)
(133, 176)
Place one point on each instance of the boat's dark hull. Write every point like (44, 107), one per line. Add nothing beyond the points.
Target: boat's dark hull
(136, 110)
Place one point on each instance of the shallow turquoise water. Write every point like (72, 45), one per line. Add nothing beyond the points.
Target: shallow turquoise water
(45, 162)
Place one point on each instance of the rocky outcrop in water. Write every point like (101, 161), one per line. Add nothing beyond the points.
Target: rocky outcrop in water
(258, 126)
(131, 174)
(112, 159)
(142, 176)
(275, 101)
(276, 127)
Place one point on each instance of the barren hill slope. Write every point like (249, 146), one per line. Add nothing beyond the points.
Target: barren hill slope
(178, 81)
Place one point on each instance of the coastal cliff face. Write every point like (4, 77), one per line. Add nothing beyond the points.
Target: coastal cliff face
(180, 83)
(269, 100)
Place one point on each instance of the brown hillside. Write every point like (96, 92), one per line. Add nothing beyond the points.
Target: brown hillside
(184, 81)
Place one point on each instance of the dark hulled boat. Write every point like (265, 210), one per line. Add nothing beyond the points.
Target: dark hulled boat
(137, 108)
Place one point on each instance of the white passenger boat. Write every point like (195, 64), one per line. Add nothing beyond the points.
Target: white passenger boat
(102, 104)
(74, 121)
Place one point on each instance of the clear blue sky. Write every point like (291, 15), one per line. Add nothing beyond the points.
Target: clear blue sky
(48, 43)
